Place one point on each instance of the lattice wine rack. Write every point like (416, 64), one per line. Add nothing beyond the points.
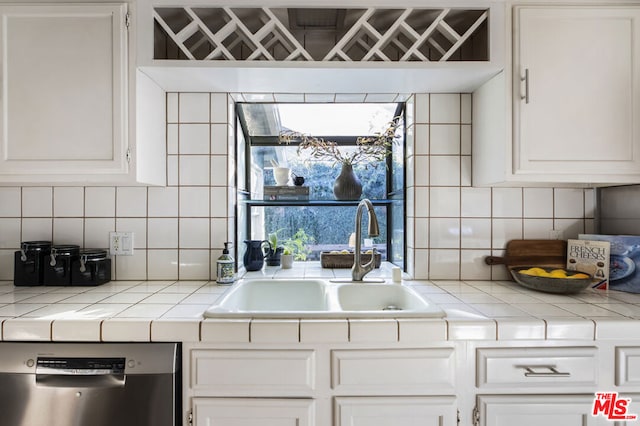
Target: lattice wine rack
(320, 35)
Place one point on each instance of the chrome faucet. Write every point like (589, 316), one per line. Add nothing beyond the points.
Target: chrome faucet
(359, 270)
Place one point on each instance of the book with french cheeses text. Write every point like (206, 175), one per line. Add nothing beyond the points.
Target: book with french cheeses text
(590, 257)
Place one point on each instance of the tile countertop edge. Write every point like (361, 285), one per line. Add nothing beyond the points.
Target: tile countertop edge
(409, 331)
(171, 311)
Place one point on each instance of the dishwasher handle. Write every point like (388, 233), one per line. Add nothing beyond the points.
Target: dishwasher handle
(80, 381)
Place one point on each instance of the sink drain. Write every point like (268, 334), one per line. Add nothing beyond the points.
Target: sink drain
(392, 308)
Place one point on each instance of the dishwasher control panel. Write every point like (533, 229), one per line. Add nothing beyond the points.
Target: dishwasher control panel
(83, 366)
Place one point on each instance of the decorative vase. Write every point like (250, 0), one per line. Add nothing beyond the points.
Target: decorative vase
(347, 186)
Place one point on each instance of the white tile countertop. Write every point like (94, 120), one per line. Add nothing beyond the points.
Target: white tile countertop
(172, 311)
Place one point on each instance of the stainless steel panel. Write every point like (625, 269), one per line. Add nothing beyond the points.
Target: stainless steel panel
(75, 384)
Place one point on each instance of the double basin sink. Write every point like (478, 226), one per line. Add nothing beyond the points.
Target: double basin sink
(315, 298)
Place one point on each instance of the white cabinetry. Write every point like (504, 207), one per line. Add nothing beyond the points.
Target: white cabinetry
(253, 412)
(536, 410)
(528, 386)
(572, 99)
(65, 98)
(394, 411)
(320, 385)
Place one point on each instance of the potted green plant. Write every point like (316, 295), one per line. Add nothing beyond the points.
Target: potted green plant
(274, 253)
(286, 259)
(297, 245)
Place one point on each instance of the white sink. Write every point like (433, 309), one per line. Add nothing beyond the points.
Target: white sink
(380, 297)
(308, 298)
(267, 296)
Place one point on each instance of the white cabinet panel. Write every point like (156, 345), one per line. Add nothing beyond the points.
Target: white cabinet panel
(536, 410)
(571, 98)
(392, 372)
(627, 366)
(520, 368)
(64, 97)
(253, 372)
(395, 411)
(582, 69)
(253, 412)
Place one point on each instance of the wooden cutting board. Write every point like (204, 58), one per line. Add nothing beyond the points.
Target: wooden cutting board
(532, 253)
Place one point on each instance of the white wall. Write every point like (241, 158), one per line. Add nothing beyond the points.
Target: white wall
(180, 229)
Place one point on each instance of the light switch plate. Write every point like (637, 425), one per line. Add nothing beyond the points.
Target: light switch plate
(121, 243)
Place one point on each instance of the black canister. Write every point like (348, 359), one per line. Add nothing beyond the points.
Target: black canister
(92, 267)
(29, 263)
(57, 266)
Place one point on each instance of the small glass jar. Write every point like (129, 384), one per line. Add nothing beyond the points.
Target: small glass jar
(92, 267)
(29, 263)
(57, 267)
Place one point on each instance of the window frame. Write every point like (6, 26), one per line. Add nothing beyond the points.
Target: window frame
(244, 201)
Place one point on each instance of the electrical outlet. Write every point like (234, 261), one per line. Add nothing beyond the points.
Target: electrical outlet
(121, 243)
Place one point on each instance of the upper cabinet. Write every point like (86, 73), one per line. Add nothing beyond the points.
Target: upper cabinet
(572, 99)
(67, 91)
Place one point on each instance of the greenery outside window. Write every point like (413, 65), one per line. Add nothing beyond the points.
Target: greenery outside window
(328, 223)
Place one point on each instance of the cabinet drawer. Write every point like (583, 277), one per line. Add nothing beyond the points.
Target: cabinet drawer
(627, 366)
(400, 372)
(536, 367)
(253, 411)
(396, 410)
(252, 372)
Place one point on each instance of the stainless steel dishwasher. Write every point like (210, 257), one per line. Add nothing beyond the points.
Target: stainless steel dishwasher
(89, 384)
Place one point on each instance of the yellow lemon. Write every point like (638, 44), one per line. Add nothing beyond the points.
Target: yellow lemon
(533, 271)
(579, 275)
(558, 273)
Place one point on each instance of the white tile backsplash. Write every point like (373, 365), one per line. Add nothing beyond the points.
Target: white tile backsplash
(68, 201)
(194, 138)
(100, 202)
(444, 170)
(131, 202)
(194, 202)
(11, 205)
(163, 202)
(194, 108)
(37, 202)
(162, 233)
(179, 229)
(194, 170)
(538, 202)
(68, 230)
(445, 108)
(9, 233)
(507, 202)
(445, 139)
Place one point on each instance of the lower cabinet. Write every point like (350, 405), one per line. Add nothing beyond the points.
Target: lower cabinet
(253, 412)
(320, 386)
(395, 411)
(537, 410)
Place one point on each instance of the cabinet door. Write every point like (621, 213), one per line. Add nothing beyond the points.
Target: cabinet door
(576, 85)
(536, 410)
(64, 90)
(253, 412)
(395, 411)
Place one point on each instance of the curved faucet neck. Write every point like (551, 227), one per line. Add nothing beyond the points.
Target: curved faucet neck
(358, 271)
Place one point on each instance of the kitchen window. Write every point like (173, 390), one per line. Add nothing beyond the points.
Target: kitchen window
(323, 223)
